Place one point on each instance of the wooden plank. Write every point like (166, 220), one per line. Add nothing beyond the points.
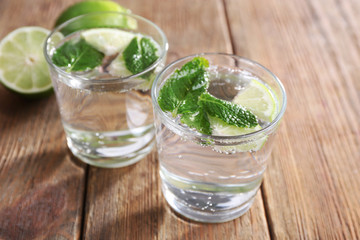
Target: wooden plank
(127, 203)
(41, 190)
(311, 187)
(189, 25)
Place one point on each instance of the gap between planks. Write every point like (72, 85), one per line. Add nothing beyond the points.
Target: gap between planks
(83, 211)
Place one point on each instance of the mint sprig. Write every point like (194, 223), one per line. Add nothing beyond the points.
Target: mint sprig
(77, 56)
(229, 112)
(185, 93)
(185, 85)
(198, 120)
(139, 55)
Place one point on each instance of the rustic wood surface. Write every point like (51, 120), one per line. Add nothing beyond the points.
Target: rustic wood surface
(311, 188)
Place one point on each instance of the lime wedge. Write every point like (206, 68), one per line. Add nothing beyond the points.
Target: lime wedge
(112, 41)
(23, 68)
(257, 98)
(220, 128)
(118, 67)
(108, 40)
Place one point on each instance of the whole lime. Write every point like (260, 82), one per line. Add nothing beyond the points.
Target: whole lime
(89, 6)
(95, 14)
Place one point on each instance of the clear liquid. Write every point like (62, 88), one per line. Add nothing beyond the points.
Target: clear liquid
(106, 125)
(201, 182)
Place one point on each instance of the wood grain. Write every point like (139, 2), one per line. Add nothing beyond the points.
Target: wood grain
(311, 188)
(42, 186)
(128, 203)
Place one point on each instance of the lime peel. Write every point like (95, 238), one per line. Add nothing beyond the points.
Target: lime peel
(89, 6)
(107, 19)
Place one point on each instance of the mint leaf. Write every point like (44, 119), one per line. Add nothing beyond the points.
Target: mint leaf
(185, 93)
(229, 112)
(190, 102)
(185, 85)
(148, 51)
(181, 92)
(139, 55)
(198, 120)
(78, 56)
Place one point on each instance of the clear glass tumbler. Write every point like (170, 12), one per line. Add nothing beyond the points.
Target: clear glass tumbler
(107, 118)
(211, 178)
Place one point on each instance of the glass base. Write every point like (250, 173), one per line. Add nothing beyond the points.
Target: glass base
(110, 149)
(113, 160)
(204, 215)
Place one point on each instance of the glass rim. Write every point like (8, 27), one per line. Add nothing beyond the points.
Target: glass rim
(162, 56)
(193, 133)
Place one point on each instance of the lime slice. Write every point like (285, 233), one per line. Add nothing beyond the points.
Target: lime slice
(257, 98)
(108, 40)
(95, 21)
(220, 128)
(23, 68)
(118, 68)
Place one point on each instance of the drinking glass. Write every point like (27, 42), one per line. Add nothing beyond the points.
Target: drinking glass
(108, 120)
(210, 178)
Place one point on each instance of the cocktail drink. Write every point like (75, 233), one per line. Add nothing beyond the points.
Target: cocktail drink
(215, 117)
(102, 66)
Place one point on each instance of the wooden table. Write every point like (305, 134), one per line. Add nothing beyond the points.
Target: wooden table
(311, 189)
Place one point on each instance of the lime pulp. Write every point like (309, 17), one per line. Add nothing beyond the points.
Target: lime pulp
(23, 68)
(257, 98)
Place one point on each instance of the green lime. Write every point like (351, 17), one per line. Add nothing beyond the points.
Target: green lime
(220, 128)
(95, 21)
(23, 68)
(118, 67)
(257, 98)
(89, 6)
(108, 40)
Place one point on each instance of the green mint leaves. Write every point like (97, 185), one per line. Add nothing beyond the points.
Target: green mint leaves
(81, 56)
(184, 87)
(229, 112)
(198, 120)
(185, 93)
(78, 56)
(181, 92)
(139, 55)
